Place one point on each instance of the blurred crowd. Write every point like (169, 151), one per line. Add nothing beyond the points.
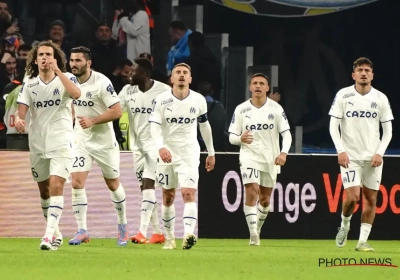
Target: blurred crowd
(114, 49)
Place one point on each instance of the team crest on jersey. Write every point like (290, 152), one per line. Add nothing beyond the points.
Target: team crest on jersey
(133, 91)
(56, 92)
(270, 116)
(374, 105)
(89, 95)
(110, 89)
(193, 110)
(348, 95)
(165, 102)
(153, 102)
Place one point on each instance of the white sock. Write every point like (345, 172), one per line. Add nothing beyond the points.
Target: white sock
(345, 222)
(364, 232)
(154, 220)
(262, 214)
(118, 197)
(190, 217)
(250, 213)
(54, 215)
(45, 206)
(79, 206)
(148, 201)
(168, 217)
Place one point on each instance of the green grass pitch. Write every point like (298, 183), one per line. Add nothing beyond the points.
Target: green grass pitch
(209, 259)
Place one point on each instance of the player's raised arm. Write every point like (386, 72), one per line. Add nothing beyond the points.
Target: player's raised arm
(69, 85)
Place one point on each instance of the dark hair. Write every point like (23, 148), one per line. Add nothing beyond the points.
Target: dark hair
(145, 65)
(180, 25)
(184, 65)
(83, 50)
(147, 55)
(24, 47)
(197, 39)
(32, 69)
(205, 88)
(259, 75)
(122, 63)
(362, 61)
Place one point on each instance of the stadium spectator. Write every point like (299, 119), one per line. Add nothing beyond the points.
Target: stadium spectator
(6, 26)
(179, 51)
(204, 64)
(156, 74)
(23, 50)
(105, 51)
(134, 21)
(217, 118)
(8, 68)
(10, 44)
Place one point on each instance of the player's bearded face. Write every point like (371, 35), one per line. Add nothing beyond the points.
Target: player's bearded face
(259, 87)
(79, 70)
(363, 75)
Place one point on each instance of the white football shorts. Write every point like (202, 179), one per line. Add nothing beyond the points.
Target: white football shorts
(145, 165)
(253, 175)
(107, 159)
(361, 173)
(55, 164)
(183, 175)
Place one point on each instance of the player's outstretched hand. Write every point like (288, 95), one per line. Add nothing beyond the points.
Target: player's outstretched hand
(85, 122)
(210, 163)
(343, 160)
(165, 155)
(53, 64)
(377, 161)
(281, 159)
(20, 125)
(246, 137)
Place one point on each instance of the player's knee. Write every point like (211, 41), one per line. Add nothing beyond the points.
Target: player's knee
(168, 197)
(264, 200)
(77, 183)
(112, 184)
(188, 196)
(148, 184)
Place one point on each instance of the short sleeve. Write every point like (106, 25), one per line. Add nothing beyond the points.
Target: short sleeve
(156, 115)
(386, 114)
(122, 99)
(283, 123)
(203, 111)
(336, 110)
(236, 123)
(23, 96)
(108, 94)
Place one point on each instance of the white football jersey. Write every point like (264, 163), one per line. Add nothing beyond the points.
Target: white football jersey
(50, 126)
(265, 124)
(360, 116)
(139, 106)
(178, 120)
(97, 95)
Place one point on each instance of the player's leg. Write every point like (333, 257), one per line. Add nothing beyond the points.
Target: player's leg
(149, 200)
(251, 181)
(267, 184)
(82, 163)
(167, 179)
(60, 168)
(188, 177)
(351, 179)
(371, 183)
(109, 160)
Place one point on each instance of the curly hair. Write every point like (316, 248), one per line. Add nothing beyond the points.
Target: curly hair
(32, 69)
